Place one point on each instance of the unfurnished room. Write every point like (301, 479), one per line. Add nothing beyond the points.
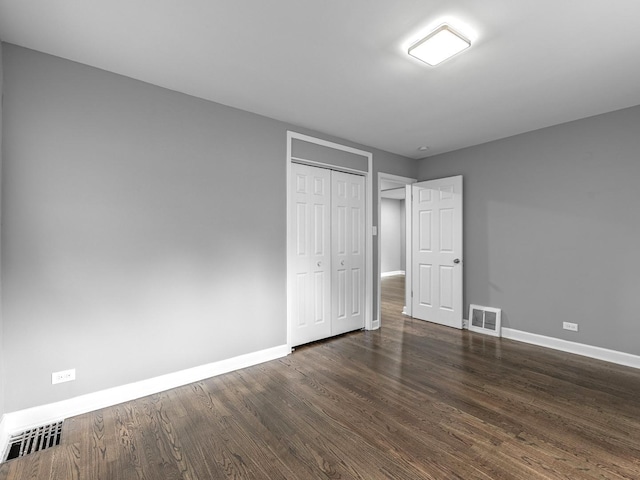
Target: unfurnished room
(304, 239)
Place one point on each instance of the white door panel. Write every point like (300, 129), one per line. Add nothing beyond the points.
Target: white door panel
(436, 251)
(311, 307)
(348, 252)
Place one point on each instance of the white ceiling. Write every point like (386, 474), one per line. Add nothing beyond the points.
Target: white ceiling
(340, 67)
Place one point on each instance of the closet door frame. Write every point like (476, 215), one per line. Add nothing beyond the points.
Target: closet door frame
(369, 323)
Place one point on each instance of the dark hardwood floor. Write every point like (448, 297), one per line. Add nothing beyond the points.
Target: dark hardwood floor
(409, 401)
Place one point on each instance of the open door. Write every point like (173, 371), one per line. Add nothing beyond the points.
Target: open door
(434, 245)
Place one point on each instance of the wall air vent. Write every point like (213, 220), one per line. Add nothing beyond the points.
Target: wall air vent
(485, 320)
(34, 440)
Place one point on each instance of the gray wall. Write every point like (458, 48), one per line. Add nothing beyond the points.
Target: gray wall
(1, 321)
(301, 149)
(391, 231)
(144, 230)
(551, 228)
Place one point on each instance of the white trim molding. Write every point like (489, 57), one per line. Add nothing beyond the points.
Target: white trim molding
(15, 422)
(590, 351)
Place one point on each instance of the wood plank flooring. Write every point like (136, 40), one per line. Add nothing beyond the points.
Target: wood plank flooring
(409, 401)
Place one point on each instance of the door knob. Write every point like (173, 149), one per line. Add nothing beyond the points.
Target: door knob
(457, 260)
(342, 263)
(319, 264)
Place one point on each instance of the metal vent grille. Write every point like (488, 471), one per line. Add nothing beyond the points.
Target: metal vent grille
(34, 440)
(485, 320)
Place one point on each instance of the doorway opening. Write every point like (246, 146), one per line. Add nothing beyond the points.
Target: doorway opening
(391, 242)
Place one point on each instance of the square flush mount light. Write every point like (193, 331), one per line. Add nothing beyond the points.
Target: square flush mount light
(444, 42)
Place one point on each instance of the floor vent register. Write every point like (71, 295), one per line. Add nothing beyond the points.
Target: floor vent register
(34, 440)
(485, 320)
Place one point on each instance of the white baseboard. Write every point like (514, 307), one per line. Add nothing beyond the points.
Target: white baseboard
(21, 420)
(598, 353)
(375, 325)
(392, 274)
(4, 437)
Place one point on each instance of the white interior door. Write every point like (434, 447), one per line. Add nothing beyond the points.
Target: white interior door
(311, 232)
(436, 251)
(348, 248)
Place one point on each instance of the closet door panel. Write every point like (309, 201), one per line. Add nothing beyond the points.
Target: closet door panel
(311, 262)
(348, 259)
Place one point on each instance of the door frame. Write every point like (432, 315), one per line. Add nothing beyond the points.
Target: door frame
(291, 136)
(400, 180)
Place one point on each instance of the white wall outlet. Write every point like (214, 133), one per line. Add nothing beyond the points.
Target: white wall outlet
(63, 376)
(570, 326)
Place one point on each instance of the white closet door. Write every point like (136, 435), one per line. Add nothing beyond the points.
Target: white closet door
(347, 246)
(311, 241)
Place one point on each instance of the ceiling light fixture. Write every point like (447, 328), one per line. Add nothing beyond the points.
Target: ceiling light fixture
(443, 43)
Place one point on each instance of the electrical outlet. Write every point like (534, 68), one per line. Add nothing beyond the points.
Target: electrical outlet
(63, 376)
(570, 326)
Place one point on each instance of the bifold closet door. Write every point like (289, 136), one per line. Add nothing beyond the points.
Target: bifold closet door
(328, 260)
(311, 242)
(347, 252)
